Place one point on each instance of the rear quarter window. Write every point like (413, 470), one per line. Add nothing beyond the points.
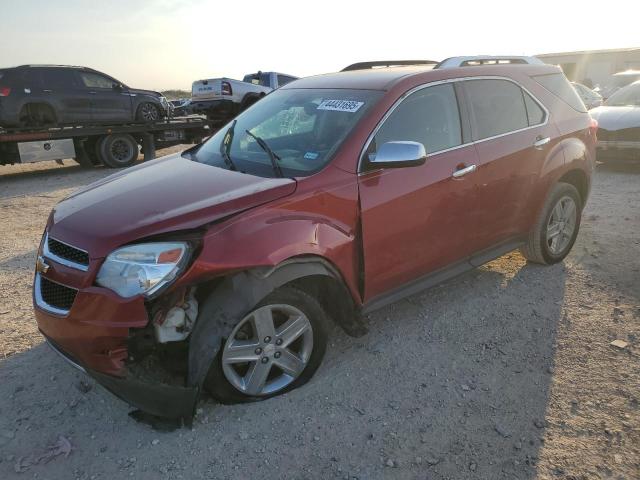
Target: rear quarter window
(558, 84)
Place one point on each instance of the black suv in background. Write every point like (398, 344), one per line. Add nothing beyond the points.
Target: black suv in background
(41, 95)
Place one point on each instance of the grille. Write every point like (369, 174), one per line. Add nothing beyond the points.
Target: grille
(56, 295)
(68, 252)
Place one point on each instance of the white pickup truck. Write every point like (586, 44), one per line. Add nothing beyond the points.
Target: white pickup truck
(223, 98)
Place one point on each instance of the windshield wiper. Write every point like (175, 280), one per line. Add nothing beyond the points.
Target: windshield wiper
(225, 147)
(273, 156)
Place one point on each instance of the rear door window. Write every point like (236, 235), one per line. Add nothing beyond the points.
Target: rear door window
(284, 79)
(535, 113)
(429, 116)
(59, 78)
(558, 84)
(497, 107)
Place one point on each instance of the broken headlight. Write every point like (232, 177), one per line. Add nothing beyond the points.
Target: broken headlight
(144, 268)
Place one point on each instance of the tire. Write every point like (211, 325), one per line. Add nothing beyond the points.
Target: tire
(117, 151)
(542, 246)
(148, 112)
(223, 378)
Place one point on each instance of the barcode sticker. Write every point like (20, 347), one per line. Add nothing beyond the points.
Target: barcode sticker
(340, 105)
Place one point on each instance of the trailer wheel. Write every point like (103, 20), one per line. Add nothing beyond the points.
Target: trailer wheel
(119, 150)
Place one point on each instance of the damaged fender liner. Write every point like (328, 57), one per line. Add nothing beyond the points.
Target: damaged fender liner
(165, 401)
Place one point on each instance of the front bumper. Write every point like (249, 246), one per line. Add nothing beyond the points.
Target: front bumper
(166, 401)
(93, 335)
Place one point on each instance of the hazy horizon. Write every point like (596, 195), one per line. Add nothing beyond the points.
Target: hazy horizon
(167, 44)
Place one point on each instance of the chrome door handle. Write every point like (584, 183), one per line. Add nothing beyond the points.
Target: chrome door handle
(47, 91)
(463, 171)
(541, 142)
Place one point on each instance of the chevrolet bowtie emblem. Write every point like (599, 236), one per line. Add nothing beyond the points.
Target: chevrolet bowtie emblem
(41, 265)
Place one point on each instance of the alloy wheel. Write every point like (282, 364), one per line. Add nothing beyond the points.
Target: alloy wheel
(561, 225)
(149, 112)
(268, 350)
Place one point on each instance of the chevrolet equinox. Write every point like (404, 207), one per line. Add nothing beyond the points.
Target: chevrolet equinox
(220, 269)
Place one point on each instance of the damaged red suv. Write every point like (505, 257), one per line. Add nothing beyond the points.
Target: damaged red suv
(222, 268)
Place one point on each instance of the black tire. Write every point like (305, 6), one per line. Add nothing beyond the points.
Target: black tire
(537, 249)
(222, 390)
(148, 112)
(117, 151)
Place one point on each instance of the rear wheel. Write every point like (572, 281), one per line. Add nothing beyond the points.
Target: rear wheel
(557, 227)
(275, 348)
(37, 115)
(148, 112)
(117, 151)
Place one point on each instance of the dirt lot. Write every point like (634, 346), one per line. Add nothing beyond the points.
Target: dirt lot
(506, 372)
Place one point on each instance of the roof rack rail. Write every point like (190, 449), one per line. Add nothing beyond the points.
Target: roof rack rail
(386, 63)
(472, 61)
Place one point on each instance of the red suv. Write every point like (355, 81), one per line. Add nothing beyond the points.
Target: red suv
(221, 268)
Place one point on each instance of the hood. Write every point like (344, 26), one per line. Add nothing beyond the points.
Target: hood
(137, 91)
(172, 193)
(616, 118)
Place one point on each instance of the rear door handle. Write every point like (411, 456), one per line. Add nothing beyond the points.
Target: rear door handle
(463, 171)
(541, 142)
(47, 91)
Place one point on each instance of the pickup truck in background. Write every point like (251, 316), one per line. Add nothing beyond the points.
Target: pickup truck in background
(221, 99)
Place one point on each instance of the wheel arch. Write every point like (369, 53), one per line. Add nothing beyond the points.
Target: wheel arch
(40, 103)
(578, 179)
(233, 296)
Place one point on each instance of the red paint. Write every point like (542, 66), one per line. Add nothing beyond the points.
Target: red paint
(396, 224)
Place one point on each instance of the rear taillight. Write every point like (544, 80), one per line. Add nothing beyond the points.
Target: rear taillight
(5, 91)
(593, 128)
(226, 88)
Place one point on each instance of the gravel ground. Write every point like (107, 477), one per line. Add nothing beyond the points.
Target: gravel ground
(505, 372)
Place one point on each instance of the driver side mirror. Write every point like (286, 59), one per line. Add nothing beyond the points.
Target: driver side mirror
(117, 87)
(399, 155)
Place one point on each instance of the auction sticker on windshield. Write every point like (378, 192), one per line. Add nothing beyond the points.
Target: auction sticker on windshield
(340, 105)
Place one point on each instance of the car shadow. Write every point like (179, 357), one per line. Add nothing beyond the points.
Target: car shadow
(452, 382)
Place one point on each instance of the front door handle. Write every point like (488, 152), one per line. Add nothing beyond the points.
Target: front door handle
(463, 171)
(541, 142)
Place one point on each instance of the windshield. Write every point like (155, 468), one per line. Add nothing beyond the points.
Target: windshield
(302, 127)
(627, 96)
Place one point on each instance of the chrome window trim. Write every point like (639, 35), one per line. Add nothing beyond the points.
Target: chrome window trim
(37, 294)
(462, 145)
(63, 261)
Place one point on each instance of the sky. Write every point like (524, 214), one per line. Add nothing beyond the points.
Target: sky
(163, 44)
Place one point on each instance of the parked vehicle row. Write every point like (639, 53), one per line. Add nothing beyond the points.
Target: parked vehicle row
(333, 196)
(619, 125)
(223, 98)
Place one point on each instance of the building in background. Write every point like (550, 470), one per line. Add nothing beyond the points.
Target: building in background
(594, 67)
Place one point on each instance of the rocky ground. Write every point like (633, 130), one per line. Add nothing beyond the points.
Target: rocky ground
(506, 372)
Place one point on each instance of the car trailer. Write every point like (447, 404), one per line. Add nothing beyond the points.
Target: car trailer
(114, 146)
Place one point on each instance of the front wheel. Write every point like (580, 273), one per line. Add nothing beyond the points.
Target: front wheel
(275, 348)
(557, 227)
(148, 112)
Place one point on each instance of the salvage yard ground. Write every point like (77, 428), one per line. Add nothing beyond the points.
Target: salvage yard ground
(505, 372)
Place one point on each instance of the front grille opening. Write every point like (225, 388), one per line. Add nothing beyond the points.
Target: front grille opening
(68, 252)
(56, 295)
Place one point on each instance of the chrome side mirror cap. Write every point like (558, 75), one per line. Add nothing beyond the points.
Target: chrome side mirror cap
(399, 155)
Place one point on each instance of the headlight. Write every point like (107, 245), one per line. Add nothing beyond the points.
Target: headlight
(144, 268)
